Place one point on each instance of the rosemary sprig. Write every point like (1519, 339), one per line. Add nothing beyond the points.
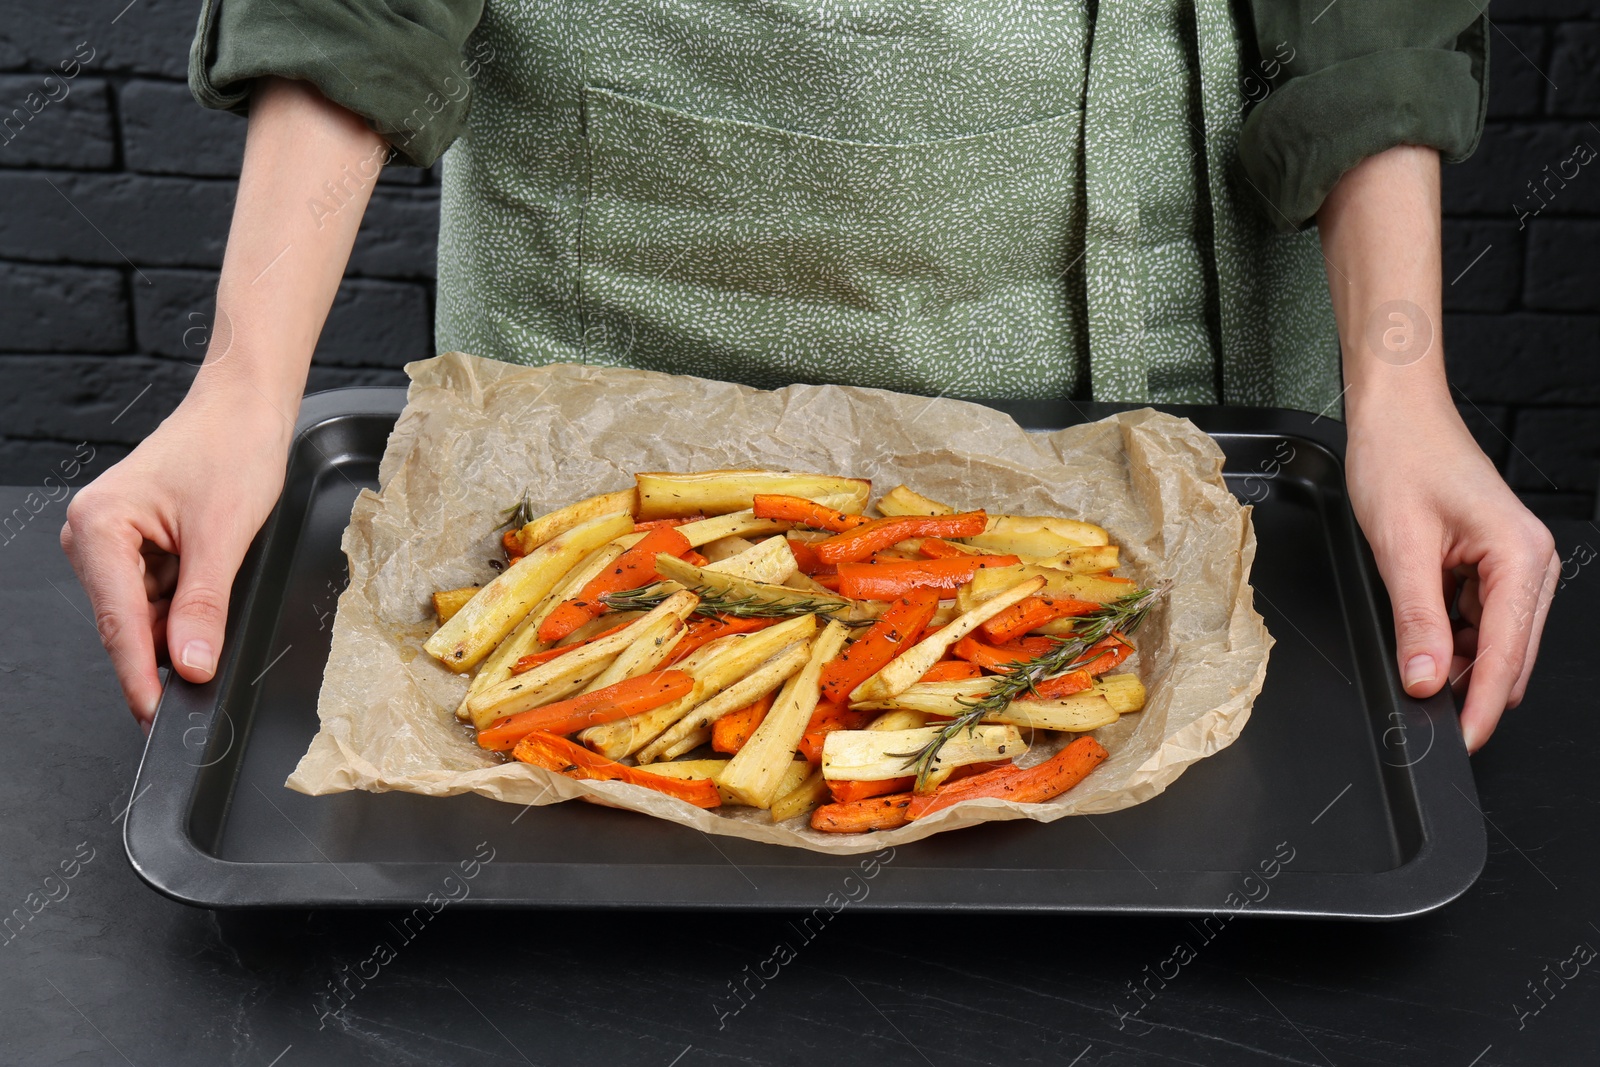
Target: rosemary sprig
(715, 603)
(519, 514)
(1121, 615)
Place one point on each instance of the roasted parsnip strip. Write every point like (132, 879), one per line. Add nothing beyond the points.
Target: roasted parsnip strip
(663, 495)
(899, 719)
(932, 698)
(903, 500)
(446, 602)
(747, 690)
(566, 674)
(735, 588)
(803, 799)
(712, 769)
(1036, 535)
(771, 561)
(648, 651)
(714, 668)
(1123, 692)
(874, 755)
(725, 547)
(719, 527)
(754, 775)
(597, 626)
(1058, 583)
(1090, 558)
(495, 611)
(524, 640)
(1088, 710)
(902, 672)
(804, 583)
(547, 527)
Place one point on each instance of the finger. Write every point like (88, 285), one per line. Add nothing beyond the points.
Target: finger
(1546, 595)
(104, 551)
(1510, 589)
(199, 611)
(1423, 638)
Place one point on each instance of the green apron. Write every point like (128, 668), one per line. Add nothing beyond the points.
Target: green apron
(986, 200)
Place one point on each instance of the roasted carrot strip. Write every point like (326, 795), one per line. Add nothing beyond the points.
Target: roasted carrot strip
(860, 816)
(703, 630)
(729, 733)
(627, 697)
(950, 670)
(845, 791)
(829, 582)
(887, 579)
(534, 659)
(1113, 650)
(829, 717)
(1064, 685)
(805, 512)
(874, 536)
(695, 558)
(934, 548)
(573, 760)
(632, 569)
(1032, 613)
(511, 541)
(1032, 785)
(805, 558)
(894, 632)
(1001, 657)
(663, 524)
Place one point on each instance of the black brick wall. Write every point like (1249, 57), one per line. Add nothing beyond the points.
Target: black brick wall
(115, 199)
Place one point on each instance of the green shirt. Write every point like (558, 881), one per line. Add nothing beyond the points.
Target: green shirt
(692, 186)
(1328, 84)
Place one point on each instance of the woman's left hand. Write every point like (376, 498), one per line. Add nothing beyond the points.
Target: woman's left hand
(1441, 521)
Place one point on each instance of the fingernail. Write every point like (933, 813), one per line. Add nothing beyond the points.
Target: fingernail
(197, 656)
(1419, 671)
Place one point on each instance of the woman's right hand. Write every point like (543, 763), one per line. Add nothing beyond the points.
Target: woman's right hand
(157, 539)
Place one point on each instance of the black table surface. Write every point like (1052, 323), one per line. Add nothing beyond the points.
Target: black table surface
(96, 968)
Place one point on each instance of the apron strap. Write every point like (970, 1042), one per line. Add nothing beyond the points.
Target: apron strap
(1114, 155)
(1279, 344)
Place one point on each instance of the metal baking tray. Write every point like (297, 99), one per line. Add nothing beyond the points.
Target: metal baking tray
(1342, 798)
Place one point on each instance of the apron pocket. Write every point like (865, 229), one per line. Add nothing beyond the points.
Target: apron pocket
(732, 250)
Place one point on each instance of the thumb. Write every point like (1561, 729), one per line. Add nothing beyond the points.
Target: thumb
(199, 611)
(1424, 643)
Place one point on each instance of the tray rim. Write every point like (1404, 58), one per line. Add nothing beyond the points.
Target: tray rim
(161, 851)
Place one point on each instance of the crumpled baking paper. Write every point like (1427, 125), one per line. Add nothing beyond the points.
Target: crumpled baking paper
(477, 434)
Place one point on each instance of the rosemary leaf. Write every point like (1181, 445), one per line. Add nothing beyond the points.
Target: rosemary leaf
(1122, 615)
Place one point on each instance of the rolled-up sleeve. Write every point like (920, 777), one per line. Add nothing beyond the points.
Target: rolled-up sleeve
(1349, 79)
(402, 65)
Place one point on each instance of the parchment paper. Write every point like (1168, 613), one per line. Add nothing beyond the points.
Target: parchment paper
(476, 434)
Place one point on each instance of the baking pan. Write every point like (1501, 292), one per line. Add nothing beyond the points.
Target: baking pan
(1342, 798)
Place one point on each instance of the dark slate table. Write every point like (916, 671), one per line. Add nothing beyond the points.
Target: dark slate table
(96, 968)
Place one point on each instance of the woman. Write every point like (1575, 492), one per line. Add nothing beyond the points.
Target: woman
(993, 200)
